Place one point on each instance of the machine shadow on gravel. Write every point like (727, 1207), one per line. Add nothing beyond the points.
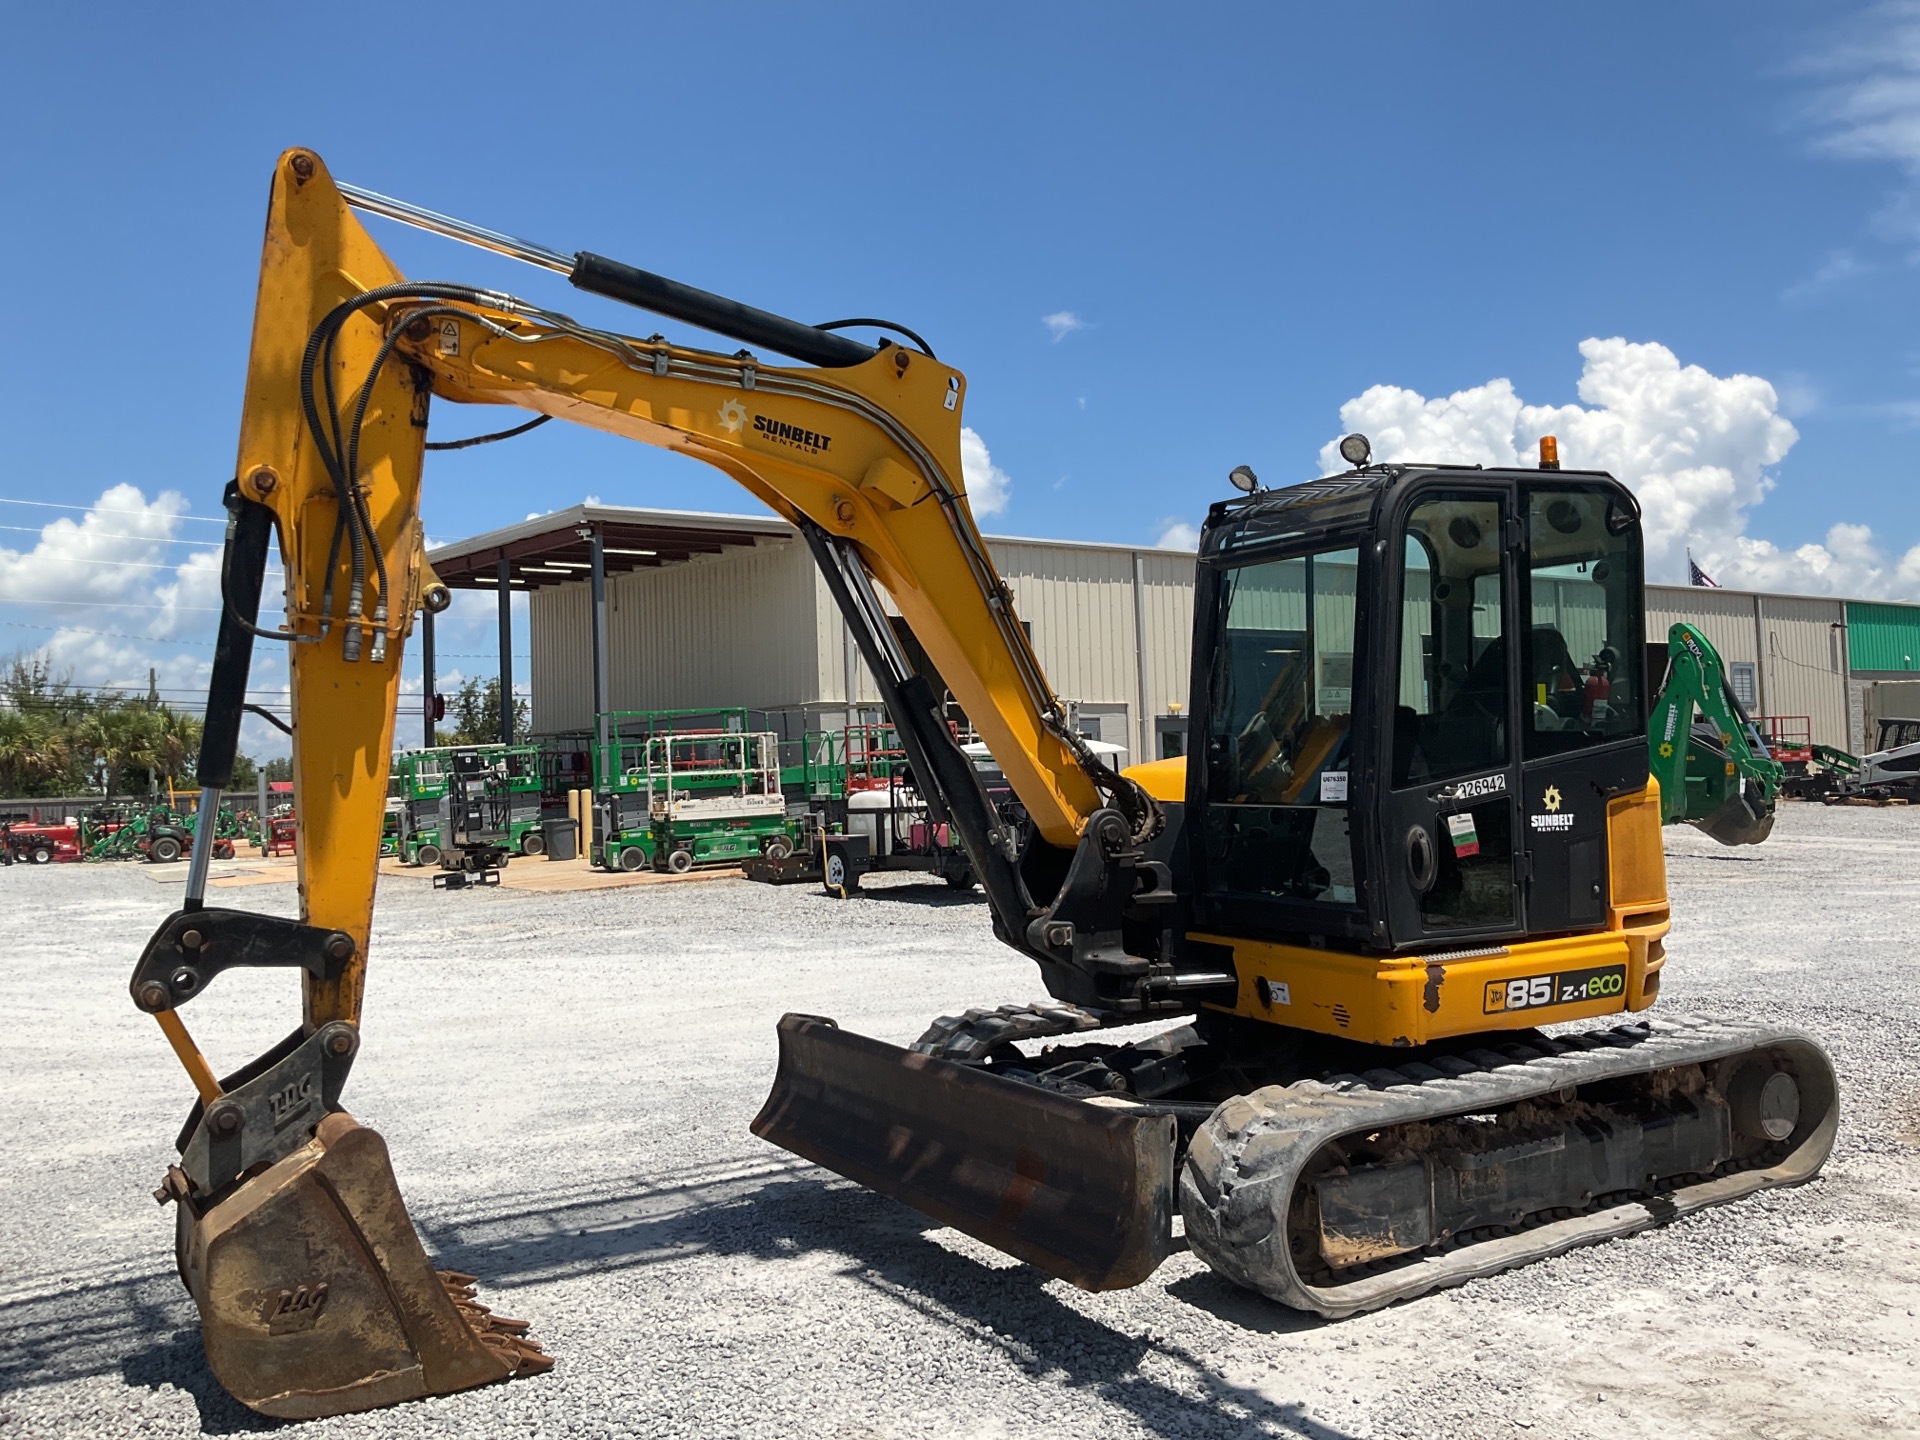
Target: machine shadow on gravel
(181, 1361)
(142, 1326)
(1244, 1310)
(921, 895)
(774, 1218)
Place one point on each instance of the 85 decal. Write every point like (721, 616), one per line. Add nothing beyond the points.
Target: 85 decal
(1569, 987)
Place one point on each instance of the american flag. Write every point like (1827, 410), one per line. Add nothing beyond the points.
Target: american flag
(1697, 576)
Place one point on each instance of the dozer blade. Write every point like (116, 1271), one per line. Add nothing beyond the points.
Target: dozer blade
(316, 1297)
(1081, 1190)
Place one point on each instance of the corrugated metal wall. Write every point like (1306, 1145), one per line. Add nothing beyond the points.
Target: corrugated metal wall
(1724, 616)
(1079, 603)
(1792, 642)
(1803, 670)
(757, 628)
(1886, 700)
(740, 628)
(559, 626)
(1166, 594)
(1089, 631)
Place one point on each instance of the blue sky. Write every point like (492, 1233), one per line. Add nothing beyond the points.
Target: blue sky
(1253, 214)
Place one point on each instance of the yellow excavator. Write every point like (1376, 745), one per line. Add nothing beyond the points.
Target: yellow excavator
(1296, 982)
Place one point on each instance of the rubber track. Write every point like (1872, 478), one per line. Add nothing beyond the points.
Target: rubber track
(1244, 1163)
(971, 1037)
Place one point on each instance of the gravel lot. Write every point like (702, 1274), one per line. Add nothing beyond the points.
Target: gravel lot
(566, 1081)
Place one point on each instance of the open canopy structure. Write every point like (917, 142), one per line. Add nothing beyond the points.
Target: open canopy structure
(580, 542)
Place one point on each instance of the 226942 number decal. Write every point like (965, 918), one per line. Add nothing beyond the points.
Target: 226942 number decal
(1569, 987)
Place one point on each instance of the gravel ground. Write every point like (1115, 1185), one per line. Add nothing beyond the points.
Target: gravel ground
(566, 1082)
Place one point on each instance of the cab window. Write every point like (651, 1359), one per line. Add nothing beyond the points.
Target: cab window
(1582, 679)
(1280, 730)
(1451, 716)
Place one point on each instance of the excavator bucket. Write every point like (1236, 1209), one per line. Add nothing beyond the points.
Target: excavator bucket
(1079, 1189)
(1745, 817)
(316, 1297)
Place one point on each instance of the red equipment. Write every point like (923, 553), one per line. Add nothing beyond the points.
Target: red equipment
(42, 844)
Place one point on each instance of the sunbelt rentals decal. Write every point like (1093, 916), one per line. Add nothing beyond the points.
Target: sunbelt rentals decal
(1555, 818)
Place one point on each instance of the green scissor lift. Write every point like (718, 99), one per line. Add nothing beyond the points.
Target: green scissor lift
(678, 788)
(419, 783)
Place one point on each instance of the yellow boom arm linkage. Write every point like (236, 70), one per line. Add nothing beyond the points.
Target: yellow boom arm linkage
(282, 1222)
(869, 453)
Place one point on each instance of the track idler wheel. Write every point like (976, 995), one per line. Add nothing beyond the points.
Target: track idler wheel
(316, 1297)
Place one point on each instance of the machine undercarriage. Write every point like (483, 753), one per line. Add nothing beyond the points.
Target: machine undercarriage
(1306, 1168)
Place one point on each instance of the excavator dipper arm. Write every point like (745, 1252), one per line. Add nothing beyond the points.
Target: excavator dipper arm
(316, 1296)
(1725, 783)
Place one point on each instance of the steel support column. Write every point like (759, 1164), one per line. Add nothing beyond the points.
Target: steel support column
(602, 668)
(1144, 729)
(506, 653)
(426, 674)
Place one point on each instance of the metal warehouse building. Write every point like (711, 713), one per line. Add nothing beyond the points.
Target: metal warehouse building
(703, 611)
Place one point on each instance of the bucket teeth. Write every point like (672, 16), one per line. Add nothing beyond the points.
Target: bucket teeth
(501, 1334)
(530, 1359)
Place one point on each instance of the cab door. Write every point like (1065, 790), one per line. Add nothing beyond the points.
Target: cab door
(1582, 707)
(1450, 835)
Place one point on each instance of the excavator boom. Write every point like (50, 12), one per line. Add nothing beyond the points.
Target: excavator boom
(315, 1295)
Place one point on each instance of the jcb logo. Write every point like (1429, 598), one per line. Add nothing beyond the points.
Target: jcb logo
(295, 1309)
(1518, 994)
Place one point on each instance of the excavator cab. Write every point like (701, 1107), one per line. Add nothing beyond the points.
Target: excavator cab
(1396, 741)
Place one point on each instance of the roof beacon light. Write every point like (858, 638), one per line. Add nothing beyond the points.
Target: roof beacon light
(1356, 450)
(1243, 478)
(1549, 453)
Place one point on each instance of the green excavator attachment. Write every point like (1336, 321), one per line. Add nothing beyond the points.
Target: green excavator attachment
(1714, 770)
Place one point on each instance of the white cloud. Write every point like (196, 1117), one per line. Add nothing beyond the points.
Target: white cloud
(194, 590)
(1867, 104)
(988, 486)
(1838, 268)
(116, 551)
(1177, 534)
(1062, 323)
(132, 584)
(1696, 448)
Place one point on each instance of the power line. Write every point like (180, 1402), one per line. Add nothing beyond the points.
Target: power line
(138, 564)
(114, 634)
(103, 510)
(118, 605)
(185, 707)
(115, 535)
